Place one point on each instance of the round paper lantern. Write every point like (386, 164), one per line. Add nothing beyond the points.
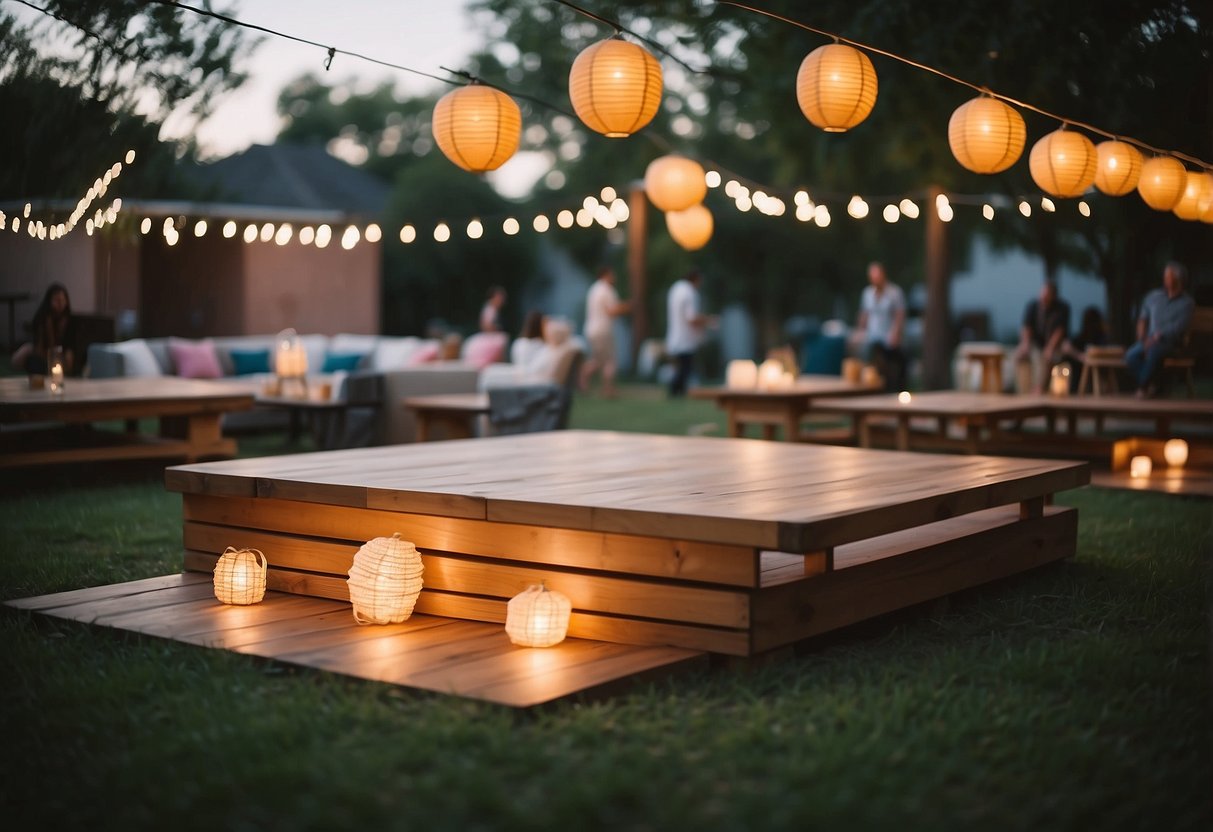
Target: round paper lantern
(674, 183)
(615, 87)
(1162, 182)
(691, 228)
(1207, 214)
(1175, 452)
(1062, 163)
(986, 135)
(477, 127)
(537, 617)
(836, 87)
(240, 576)
(1117, 168)
(385, 580)
(1198, 193)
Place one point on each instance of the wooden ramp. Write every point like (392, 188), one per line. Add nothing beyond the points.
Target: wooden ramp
(443, 655)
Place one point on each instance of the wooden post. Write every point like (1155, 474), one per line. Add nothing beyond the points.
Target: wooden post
(638, 207)
(936, 332)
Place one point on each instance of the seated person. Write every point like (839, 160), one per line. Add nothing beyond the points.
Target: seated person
(1166, 314)
(530, 341)
(1091, 333)
(52, 327)
(1045, 321)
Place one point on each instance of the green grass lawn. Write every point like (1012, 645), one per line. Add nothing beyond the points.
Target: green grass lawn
(1074, 697)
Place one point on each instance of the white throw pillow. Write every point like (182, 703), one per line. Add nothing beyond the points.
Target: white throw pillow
(394, 353)
(137, 359)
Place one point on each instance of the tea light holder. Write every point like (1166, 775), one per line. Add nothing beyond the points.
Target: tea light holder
(1140, 467)
(741, 374)
(1059, 380)
(770, 375)
(1175, 452)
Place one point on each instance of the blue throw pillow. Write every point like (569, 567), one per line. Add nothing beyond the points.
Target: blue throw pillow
(248, 362)
(337, 361)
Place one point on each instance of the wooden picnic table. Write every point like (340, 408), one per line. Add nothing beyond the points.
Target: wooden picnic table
(771, 409)
(188, 410)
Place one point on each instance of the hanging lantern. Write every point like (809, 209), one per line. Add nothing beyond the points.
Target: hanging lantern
(1118, 167)
(986, 135)
(240, 576)
(385, 580)
(537, 617)
(615, 87)
(477, 127)
(1162, 182)
(836, 87)
(1062, 163)
(1207, 214)
(674, 183)
(691, 228)
(1198, 193)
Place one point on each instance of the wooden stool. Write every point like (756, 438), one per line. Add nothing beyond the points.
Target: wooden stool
(990, 360)
(1100, 365)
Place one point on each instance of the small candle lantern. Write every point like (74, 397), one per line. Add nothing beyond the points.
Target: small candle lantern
(741, 374)
(870, 377)
(537, 617)
(1059, 380)
(1140, 467)
(290, 360)
(1175, 452)
(54, 366)
(770, 374)
(904, 397)
(240, 576)
(851, 369)
(385, 580)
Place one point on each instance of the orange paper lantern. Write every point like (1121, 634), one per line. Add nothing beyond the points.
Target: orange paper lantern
(1198, 193)
(1162, 182)
(691, 228)
(836, 87)
(986, 135)
(477, 127)
(1062, 163)
(615, 87)
(1117, 167)
(674, 183)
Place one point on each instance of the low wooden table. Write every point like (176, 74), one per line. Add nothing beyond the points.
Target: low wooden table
(778, 408)
(979, 414)
(733, 546)
(454, 412)
(188, 410)
(990, 360)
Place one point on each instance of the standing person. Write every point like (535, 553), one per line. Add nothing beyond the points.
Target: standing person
(686, 324)
(1041, 335)
(52, 327)
(602, 306)
(1166, 314)
(490, 313)
(882, 318)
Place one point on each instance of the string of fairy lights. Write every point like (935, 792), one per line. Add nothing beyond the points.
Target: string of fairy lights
(477, 127)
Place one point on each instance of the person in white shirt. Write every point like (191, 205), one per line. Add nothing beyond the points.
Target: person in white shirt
(685, 327)
(882, 317)
(602, 306)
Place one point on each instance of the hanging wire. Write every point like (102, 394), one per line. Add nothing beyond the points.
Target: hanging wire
(619, 28)
(956, 80)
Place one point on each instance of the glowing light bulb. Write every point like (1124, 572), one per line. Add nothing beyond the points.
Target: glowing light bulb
(323, 235)
(229, 229)
(857, 208)
(199, 228)
(891, 213)
(1025, 208)
(1047, 204)
(510, 226)
(1084, 208)
(267, 232)
(442, 232)
(712, 178)
(146, 225)
(565, 219)
(307, 235)
(373, 233)
(250, 233)
(987, 211)
(475, 229)
(350, 237)
(130, 156)
(607, 195)
(407, 234)
(284, 233)
(541, 224)
(821, 216)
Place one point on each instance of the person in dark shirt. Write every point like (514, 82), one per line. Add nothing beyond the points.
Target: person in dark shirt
(1045, 321)
(52, 327)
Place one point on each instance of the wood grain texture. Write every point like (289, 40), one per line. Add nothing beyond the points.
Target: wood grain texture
(749, 493)
(95, 400)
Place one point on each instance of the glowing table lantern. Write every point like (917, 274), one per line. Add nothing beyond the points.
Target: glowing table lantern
(1140, 466)
(615, 87)
(1059, 380)
(240, 576)
(674, 183)
(537, 617)
(385, 580)
(290, 359)
(1198, 193)
(904, 397)
(770, 375)
(986, 135)
(477, 127)
(1162, 182)
(691, 228)
(741, 374)
(1062, 163)
(1117, 168)
(1175, 452)
(836, 87)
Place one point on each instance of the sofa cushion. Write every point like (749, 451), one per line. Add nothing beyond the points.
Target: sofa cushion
(426, 353)
(194, 359)
(484, 348)
(138, 359)
(341, 361)
(364, 345)
(249, 362)
(393, 353)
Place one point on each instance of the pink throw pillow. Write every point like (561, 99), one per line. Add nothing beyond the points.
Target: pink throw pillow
(425, 353)
(484, 348)
(195, 359)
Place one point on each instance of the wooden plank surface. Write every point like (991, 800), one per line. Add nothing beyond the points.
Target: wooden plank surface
(806, 386)
(742, 492)
(462, 658)
(94, 400)
(950, 403)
